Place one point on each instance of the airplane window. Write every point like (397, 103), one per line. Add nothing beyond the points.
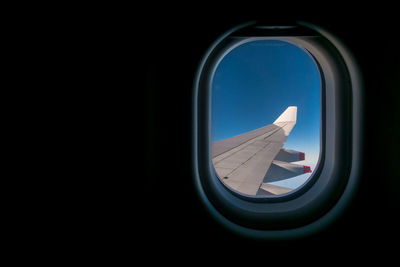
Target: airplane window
(277, 129)
(265, 118)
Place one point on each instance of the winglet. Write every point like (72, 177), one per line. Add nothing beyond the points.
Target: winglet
(289, 115)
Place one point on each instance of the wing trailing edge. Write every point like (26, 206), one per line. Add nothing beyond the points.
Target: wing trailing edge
(288, 155)
(280, 170)
(269, 189)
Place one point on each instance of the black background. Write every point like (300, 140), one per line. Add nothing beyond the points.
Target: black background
(173, 220)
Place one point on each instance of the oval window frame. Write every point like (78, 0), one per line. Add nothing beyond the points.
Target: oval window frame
(315, 204)
(301, 188)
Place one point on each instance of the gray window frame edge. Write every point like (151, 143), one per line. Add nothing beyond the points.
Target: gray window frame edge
(219, 198)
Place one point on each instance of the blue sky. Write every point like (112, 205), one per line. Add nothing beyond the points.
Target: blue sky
(256, 82)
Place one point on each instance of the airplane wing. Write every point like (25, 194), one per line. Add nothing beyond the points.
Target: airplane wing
(247, 162)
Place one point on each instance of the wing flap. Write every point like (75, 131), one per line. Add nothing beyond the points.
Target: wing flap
(269, 189)
(283, 170)
(288, 155)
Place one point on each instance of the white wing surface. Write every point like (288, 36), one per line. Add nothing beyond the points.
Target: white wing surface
(243, 161)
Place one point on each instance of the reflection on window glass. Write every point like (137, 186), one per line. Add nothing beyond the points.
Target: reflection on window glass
(265, 118)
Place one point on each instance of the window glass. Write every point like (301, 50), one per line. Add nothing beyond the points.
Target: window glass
(253, 85)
